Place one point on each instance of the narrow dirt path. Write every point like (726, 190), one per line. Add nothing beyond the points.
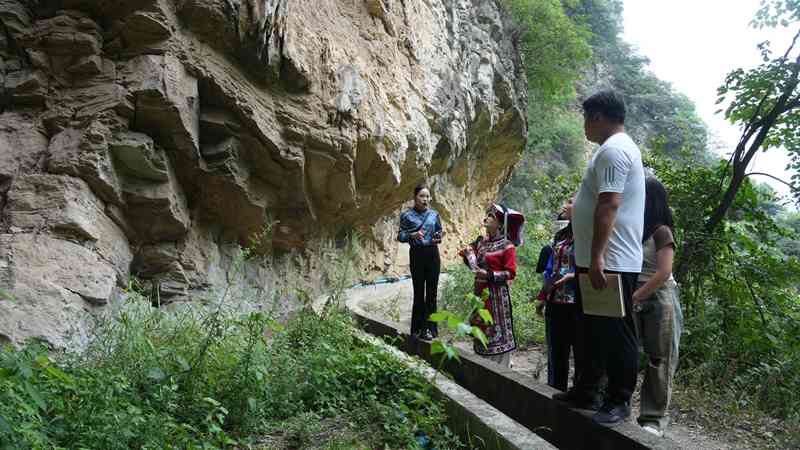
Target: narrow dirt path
(393, 301)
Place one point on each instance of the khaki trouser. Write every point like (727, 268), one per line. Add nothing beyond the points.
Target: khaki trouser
(659, 322)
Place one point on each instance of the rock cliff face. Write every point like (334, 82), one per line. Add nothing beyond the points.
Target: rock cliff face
(152, 137)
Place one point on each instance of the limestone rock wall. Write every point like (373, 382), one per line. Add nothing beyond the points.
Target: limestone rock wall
(152, 137)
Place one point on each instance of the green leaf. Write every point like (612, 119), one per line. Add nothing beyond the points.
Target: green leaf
(478, 334)
(36, 397)
(452, 322)
(182, 363)
(5, 428)
(440, 316)
(463, 329)
(437, 346)
(251, 402)
(452, 353)
(486, 316)
(156, 374)
(5, 295)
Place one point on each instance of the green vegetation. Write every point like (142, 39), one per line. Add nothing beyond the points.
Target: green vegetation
(554, 47)
(740, 293)
(225, 375)
(738, 247)
(154, 379)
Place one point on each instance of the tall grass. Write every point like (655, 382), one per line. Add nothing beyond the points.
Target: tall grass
(216, 375)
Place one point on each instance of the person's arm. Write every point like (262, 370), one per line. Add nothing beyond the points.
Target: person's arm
(605, 214)
(665, 253)
(561, 281)
(438, 232)
(663, 271)
(509, 270)
(406, 226)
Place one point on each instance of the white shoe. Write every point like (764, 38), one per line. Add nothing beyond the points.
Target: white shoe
(653, 430)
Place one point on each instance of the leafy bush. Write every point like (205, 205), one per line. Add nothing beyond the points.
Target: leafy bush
(739, 292)
(194, 378)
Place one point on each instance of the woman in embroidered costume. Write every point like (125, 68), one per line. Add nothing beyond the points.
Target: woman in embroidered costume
(493, 259)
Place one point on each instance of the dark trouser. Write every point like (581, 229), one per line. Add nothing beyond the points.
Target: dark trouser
(563, 334)
(425, 266)
(612, 348)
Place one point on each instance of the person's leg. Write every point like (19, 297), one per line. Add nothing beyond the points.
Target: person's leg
(548, 324)
(573, 332)
(418, 282)
(591, 339)
(678, 328)
(586, 390)
(432, 269)
(621, 357)
(560, 344)
(658, 338)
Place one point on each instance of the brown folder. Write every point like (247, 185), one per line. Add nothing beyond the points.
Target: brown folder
(607, 302)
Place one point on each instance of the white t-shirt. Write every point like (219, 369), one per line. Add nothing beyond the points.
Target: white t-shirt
(615, 167)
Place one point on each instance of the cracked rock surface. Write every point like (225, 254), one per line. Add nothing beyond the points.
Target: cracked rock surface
(153, 137)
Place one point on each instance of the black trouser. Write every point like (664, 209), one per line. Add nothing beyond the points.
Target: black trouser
(564, 334)
(425, 266)
(612, 348)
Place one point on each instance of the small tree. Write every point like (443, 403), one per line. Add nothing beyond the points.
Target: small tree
(765, 102)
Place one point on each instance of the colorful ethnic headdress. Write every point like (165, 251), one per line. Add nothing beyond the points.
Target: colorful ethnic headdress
(511, 220)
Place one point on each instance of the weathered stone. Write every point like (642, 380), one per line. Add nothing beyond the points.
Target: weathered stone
(25, 81)
(21, 144)
(352, 90)
(60, 36)
(218, 122)
(157, 211)
(39, 59)
(167, 100)
(87, 65)
(58, 259)
(91, 101)
(138, 157)
(66, 206)
(84, 154)
(227, 148)
(14, 16)
(145, 27)
(26, 87)
(53, 284)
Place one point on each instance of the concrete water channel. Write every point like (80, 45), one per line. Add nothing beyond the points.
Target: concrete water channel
(500, 408)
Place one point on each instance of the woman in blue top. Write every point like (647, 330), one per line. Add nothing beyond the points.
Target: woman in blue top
(421, 228)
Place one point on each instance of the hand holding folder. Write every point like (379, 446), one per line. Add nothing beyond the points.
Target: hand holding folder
(607, 302)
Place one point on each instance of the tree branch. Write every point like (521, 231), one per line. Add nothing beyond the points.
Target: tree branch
(791, 186)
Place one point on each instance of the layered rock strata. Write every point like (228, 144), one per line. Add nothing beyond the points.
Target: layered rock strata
(153, 137)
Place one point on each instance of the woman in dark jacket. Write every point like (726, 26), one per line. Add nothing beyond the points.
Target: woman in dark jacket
(421, 228)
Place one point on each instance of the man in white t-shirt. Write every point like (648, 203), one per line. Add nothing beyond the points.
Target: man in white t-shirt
(607, 222)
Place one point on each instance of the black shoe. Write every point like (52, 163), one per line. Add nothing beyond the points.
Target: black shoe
(579, 400)
(611, 414)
